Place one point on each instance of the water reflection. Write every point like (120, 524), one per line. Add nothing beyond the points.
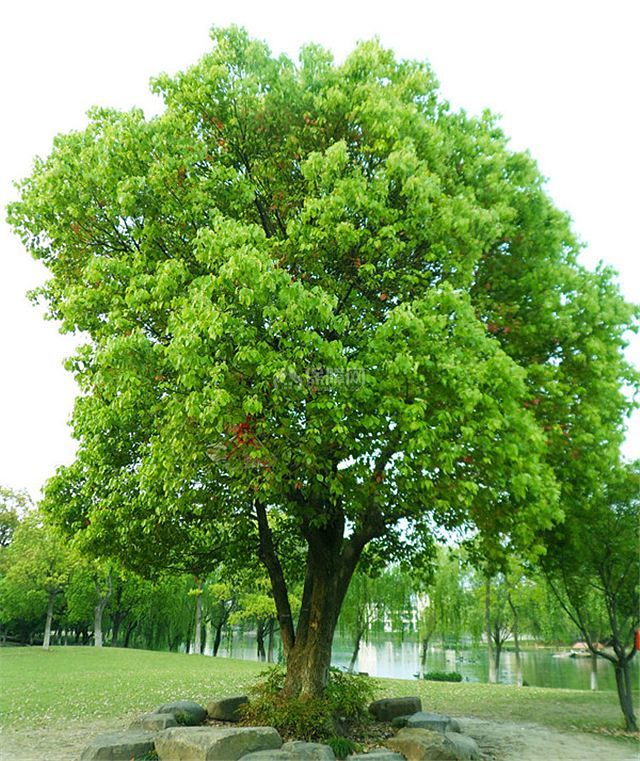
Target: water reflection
(401, 660)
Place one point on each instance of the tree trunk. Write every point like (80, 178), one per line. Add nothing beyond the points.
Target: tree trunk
(262, 655)
(487, 626)
(594, 671)
(356, 648)
(516, 641)
(327, 579)
(129, 632)
(197, 644)
(270, 633)
(47, 625)
(103, 600)
(218, 638)
(625, 696)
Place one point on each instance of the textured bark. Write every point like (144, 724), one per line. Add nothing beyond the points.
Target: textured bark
(625, 696)
(260, 631)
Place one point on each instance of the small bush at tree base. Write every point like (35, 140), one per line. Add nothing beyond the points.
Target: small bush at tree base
(315, 719)
(443, 676)
(342, 746)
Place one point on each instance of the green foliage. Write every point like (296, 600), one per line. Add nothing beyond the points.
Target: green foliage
(314, 286)
(443, 676)
(342, 746)
(344, 703)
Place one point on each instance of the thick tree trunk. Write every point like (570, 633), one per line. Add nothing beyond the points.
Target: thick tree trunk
(625, 696)
(487, 627)
(331, 562)
(47, 626)
(197, 642)
(327, 579)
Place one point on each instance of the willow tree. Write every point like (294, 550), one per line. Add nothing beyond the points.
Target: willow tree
(331, 309)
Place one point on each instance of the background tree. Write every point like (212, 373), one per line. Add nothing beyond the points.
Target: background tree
(593, 568)
(314, 292)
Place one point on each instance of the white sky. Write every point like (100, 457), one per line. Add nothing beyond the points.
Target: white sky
(563, 75)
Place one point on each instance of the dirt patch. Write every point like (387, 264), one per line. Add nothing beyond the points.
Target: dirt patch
(508, 741)
(498, 741)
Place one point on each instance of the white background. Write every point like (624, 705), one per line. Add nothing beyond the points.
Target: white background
(563, 75)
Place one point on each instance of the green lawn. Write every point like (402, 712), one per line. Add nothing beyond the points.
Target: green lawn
(81, 683)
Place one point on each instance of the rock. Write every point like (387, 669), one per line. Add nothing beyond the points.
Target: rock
(154, 721)
(399, 722)
(297, 749)
(427, 745)
(119, 746)
(379, 754)
(185, 711)
(434, 721)
(389, 708)
(227, 709)
(214, 743)
(454, 726)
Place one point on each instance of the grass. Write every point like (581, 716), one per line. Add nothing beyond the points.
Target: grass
(68, 684)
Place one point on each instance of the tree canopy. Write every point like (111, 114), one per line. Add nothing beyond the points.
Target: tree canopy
(323, 311)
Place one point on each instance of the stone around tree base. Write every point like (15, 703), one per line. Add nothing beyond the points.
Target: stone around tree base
(389, 708)
(436, 722)
(214, 743)
(188, 710)
(119, 746)
(295, 750)
(154, 721)
(378, 754)
(400, 721)
(227, 709)
(426, 745)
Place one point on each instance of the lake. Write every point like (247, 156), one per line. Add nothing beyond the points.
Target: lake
(397, 659)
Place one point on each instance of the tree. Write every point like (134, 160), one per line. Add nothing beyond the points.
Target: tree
(39, 565)
(593, 568)
(321, 305)
(13, 504)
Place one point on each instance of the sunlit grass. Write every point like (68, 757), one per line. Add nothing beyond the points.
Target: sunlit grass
(68, 684)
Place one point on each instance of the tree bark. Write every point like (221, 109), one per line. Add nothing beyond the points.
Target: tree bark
(218, 638)
(47, 626)
(129, 632)
(625, 696)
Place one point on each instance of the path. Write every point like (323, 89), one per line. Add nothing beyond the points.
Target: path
(498, 740)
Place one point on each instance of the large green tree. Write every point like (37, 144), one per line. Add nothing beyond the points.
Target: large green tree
(323, 310)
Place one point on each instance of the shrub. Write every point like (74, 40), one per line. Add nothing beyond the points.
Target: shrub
(315, 719)
(443, 676)
(184, 719)
(342, 746)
